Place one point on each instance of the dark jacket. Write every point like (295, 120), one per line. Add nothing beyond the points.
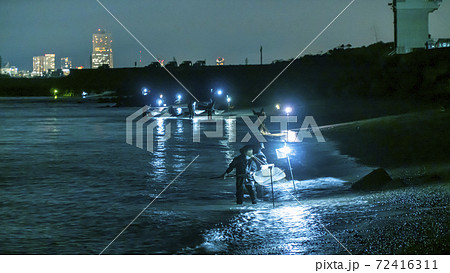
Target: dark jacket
(244, 168)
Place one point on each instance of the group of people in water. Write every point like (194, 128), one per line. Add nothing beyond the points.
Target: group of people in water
(249, 161)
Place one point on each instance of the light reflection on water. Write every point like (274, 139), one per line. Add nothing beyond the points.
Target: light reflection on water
(69, 184)
(98, 184)
(291, 227)
(265, 230)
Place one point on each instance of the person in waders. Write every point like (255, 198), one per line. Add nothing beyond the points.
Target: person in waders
(191, 109)
(245, 167)
(210, 109)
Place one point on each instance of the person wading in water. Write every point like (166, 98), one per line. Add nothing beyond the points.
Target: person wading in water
(245, 167)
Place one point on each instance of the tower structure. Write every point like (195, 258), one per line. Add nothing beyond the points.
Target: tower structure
(101, 49)
(411, 23)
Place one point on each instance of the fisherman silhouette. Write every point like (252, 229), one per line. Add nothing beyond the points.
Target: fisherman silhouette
(245, 166)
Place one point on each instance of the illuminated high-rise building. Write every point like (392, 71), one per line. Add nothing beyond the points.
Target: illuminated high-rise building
(38, 65)
(102, 49)
(66, 63)
(49, 62)
(43, 64)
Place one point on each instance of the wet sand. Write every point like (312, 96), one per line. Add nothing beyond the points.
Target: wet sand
(413, 147)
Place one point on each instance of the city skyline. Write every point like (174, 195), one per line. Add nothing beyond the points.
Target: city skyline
(172, 29)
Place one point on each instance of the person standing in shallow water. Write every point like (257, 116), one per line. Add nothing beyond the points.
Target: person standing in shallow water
(191, 108)
(210, 108)
(245, 167)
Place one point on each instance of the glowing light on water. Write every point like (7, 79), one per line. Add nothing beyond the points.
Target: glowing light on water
(180, 128)
(160, 126)
(284, 152)
(230, 129)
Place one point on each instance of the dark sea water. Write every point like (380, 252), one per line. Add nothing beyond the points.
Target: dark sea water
(69, 184)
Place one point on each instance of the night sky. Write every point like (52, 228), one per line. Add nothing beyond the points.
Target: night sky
(195, 29)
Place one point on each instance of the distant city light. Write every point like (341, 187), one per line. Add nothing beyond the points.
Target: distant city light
(220, 61)
(159, 102)
(220, 92)
(84, 94)
(288, 110)
(277, 106)
(161, 96)
(179, 97)
(228, 99)
(145, 91)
